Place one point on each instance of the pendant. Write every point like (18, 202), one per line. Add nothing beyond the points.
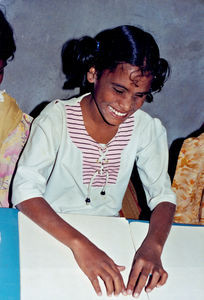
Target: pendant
(88, 200)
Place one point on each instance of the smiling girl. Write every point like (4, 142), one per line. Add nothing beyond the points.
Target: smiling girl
(81, 153)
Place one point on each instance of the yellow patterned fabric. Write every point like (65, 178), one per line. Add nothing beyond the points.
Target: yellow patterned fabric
(188, 183)
(10, 115)
(14, 133)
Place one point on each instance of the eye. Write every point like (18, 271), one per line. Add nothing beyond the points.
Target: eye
(118, 91)
(140, 95)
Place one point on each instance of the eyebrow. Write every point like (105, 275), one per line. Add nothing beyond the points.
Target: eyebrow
(119, 85)
(123, 87)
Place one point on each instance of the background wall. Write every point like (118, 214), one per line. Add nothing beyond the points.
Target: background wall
(42, 26)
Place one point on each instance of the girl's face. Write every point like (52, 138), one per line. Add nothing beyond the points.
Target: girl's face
(118, 94)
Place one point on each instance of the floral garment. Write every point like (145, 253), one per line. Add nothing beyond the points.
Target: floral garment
(188, 183)
(10, 148)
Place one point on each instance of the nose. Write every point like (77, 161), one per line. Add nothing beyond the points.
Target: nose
(126, 103)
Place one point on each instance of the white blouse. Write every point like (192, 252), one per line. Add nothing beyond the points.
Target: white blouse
(75, 174)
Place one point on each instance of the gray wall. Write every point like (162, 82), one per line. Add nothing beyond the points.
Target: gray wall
(42, 26)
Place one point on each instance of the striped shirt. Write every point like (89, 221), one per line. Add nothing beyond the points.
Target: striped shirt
(99, 160)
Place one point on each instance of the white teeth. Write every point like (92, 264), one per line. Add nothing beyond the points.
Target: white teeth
(117, 112)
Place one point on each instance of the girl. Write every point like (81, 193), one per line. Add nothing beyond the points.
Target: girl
(14, 124)
(81, 153)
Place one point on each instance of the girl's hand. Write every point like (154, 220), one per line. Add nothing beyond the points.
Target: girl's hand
(95, 263)
(147, 271)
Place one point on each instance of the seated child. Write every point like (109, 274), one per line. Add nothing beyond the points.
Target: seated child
(14, 124)
(80, 154)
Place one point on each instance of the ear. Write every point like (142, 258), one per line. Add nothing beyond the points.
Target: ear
(92, 75)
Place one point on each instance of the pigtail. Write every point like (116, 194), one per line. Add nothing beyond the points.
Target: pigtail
(161, 74)
(78, 56)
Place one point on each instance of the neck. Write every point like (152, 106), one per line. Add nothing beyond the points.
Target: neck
(98, 129)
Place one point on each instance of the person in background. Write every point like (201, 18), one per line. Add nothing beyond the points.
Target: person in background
(14, 124)
(188, 182)
(81, 152)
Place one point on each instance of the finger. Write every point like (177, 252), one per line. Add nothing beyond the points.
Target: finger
(108, 281)
(116, 267)
(118, 282)
(119, 286)
(120, 268)
(96, 286)
(163, 279)
(152, 282)
(141, 282)
(156, 280)
(133, 278)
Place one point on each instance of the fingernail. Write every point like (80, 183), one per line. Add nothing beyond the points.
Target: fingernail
(136, 295)
(129, 292)
(148, 290)
(158, 285)
(124, 293)
(99, 294)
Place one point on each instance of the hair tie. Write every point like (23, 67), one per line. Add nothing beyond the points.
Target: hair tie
(97, 45)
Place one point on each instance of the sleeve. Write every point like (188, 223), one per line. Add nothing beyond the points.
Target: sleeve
(39, 155)
(152, 163)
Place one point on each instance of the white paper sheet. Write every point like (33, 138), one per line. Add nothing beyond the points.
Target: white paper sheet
(183, 259)
(49, 271)
(48, 268)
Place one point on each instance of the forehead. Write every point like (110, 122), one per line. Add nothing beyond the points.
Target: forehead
(128, 74)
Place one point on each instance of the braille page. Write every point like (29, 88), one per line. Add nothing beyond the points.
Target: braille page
(183, 259)
(48, 268)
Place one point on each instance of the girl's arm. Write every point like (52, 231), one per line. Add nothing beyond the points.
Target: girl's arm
(147, 259)
(93, 261)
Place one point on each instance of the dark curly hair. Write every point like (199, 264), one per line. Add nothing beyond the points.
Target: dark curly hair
(123, 44)
(7, 43)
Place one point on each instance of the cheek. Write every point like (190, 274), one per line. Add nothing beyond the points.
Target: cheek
(141, 103)
(103, 97)
(138, 104)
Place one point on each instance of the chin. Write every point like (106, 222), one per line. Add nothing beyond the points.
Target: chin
(116, 122)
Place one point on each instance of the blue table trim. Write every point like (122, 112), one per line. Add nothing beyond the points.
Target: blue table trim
(9, 255)
(174, 224)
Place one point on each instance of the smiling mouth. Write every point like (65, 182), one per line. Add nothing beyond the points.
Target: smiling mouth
(117, 113)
